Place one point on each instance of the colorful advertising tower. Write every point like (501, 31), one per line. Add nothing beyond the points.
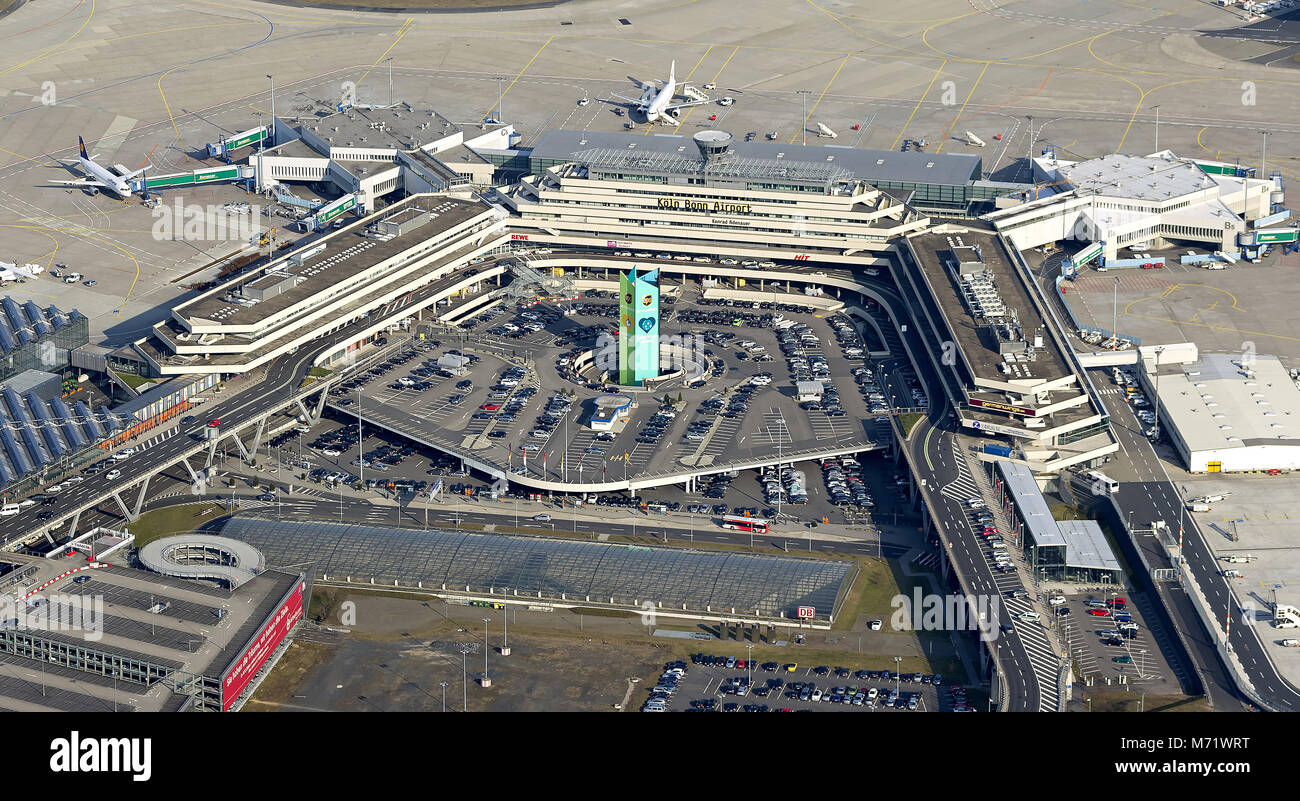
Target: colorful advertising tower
(638, 330)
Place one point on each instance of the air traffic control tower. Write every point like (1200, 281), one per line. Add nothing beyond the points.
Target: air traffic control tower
(638, 340)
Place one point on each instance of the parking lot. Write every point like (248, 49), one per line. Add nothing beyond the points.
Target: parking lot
(519, 402)
(523, 407)
(722, 683)
(1107, 637)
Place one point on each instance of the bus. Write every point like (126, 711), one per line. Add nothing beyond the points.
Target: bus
(1100, 479)
(751, 524)
(488, 604)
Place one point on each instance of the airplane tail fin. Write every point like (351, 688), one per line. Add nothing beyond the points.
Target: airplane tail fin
(672, 72)
(82, 145)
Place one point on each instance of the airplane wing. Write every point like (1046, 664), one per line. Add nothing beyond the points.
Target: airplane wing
(672, 106)
(82, 182)
(130, 175)
(627, 99)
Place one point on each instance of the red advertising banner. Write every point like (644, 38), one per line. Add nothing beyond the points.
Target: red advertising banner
(1002, 407)
(267, 640)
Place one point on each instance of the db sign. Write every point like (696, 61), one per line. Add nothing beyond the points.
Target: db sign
(807, 612)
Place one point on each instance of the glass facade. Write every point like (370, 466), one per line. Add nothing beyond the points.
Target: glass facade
(51, 352)
(540, 567)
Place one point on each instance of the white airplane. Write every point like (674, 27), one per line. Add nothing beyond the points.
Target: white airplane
(116, 180)
(16, 272)
(656, 103)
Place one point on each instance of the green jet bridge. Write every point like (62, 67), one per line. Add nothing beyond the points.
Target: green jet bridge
(209, 175)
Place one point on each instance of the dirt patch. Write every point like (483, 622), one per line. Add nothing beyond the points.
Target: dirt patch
(277, 689)
(1112, 700)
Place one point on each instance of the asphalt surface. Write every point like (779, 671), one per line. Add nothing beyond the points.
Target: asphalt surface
(1154, 496)
(937, 465)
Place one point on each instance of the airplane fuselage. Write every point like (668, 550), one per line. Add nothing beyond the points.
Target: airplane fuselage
(657, 108)
(113, 182)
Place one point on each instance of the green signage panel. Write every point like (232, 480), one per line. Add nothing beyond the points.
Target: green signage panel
(1287, 235)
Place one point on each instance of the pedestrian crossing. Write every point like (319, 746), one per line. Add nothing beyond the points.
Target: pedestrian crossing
(1042, 658)
(927, 561)
(157, 439)
(973, 482)
(963, 486)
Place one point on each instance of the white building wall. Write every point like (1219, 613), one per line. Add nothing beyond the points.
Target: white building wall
(275, 169)
(1254, 457)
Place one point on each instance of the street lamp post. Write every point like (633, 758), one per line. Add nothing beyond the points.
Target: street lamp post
(486, 682)
(1155, 402)
(270, 136)
(1114, 331)
(361, 448)
(804, 94)
(464, 679)
(1157, 108)
(898, 676)
(1263, 155)
(443, 685)
(749, 662)
(505, 637)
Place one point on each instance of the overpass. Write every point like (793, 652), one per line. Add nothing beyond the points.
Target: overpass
(244, 423)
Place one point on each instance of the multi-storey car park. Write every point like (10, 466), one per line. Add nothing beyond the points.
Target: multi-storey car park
(107, 637)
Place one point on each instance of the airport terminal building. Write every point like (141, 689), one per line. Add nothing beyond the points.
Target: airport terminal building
(383, 268)
(370, 152)
(1125, 201)
(708, 195)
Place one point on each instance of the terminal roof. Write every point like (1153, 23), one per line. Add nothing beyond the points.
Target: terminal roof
(1219, 403)
(680, 153)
